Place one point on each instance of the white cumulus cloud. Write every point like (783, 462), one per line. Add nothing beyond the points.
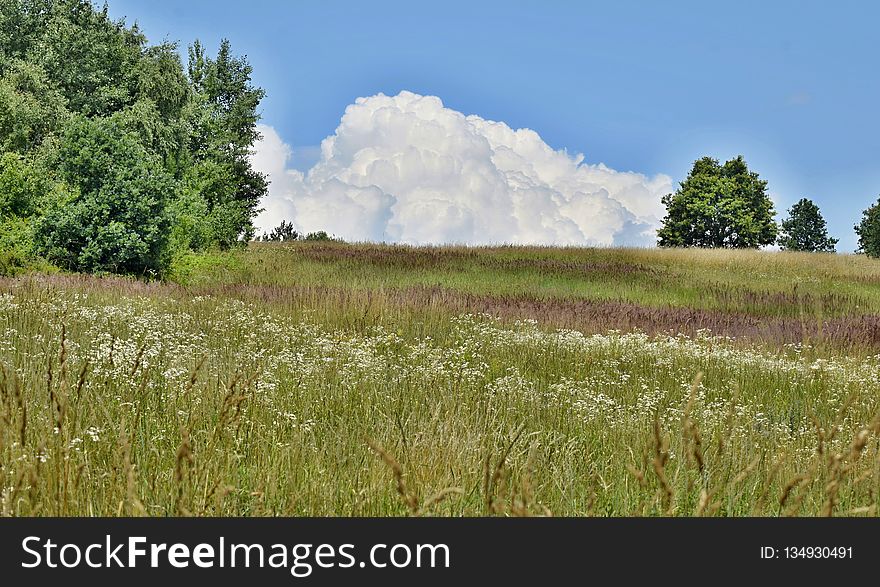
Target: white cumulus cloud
(407, 169)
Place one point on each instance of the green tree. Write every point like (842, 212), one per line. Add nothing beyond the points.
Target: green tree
(868, 231)
(225, 132)
(719, 206)
(91, 58)
(283, 232)
(176, 141)
(117, 221)
(162, 115)
(805, 229)
(31, 109)
(320, 236)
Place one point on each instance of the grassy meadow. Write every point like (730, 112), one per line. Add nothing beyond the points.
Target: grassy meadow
(338, 379)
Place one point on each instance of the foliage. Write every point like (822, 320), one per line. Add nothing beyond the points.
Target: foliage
(719, 206)
(25, 191)
(283, 232)
(805, 229)
(117, 222)
(165, 162)
(286, 232)
(319, 236)
(20, 187)
(31, 109)
(868, 231)
(14, 246)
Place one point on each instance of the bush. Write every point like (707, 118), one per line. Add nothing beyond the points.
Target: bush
(14, 246)
(20, 187)
(117, 221)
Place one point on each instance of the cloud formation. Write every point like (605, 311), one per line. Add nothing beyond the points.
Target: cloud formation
(407, 169)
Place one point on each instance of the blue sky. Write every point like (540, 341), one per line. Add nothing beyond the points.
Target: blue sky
(641, 86)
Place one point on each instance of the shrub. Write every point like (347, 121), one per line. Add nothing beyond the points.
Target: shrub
(117, 221)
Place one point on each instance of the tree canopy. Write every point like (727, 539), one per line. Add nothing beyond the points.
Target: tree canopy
(868, 231)
(114, 155)
(719, 206)
(805, 229)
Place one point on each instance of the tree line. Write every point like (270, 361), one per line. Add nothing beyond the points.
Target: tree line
(727, 206)
(286, 232)
(114, 154)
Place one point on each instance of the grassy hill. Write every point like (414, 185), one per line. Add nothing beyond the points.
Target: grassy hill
(762, 296)
(334, 379)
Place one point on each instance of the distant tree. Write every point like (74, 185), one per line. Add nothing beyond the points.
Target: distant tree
(868, 231)
(117, 220)
(319, 236)
(286, 232)
(283, 232)
(805, 229)
(719, 206)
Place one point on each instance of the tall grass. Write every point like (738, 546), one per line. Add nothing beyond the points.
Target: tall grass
(298, 381)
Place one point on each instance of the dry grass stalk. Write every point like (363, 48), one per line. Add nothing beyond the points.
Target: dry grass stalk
(137, 359)
(437, 498)
(492, 484)
(724, 438)
(661, 458)
(410, 499)
(182, 466)
(761, 502)
(133, 504)
(840, 466)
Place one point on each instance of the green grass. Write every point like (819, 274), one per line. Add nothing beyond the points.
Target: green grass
(315, 379)
(682, 278)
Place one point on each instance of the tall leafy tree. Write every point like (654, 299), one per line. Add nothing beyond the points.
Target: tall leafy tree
(226, 131)
(161, 114)
(719, 206)
(868, 231)
(805, 229)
